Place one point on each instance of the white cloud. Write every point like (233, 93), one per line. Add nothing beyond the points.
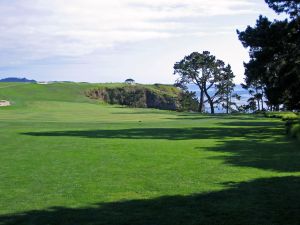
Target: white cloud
(35, 29)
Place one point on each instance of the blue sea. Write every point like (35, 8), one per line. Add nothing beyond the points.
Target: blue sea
(238, 90)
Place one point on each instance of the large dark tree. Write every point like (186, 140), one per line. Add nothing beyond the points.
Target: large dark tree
(275, 56)
(206, 72)
(291, 7)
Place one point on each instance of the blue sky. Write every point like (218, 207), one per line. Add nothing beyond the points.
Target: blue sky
(109, 41)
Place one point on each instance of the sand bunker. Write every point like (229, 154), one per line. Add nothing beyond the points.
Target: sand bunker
(4, 103)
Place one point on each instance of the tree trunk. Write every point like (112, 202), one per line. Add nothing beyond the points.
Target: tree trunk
(200, 109)
(212, 109)
(262, 99)
(256, 97)
(227, 108)
(211, 104)
(227, 100)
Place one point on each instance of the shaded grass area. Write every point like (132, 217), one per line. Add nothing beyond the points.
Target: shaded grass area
(261, 201)
(161, 133)
(257, 145)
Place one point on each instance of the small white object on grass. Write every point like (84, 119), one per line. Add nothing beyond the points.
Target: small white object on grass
(4, 103)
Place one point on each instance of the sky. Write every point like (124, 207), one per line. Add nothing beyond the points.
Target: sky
(112, 40)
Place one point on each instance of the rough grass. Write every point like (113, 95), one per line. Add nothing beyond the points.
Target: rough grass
(69, 160)
(283, 115)
(292, 122)
(295, 130)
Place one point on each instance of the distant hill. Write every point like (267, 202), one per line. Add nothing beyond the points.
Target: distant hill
(16, 79)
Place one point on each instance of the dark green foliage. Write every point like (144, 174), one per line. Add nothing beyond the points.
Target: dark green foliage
(274, 66)
(225, 87)
(199, 69)
(256, 101)
(291, 7)
(130, 81)
(188, 101)
(206, 71)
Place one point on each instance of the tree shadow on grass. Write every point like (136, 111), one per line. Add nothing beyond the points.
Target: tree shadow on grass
(263, 147)
(256, 123)
(263, 129)
(198, 116)
(250, 144)
(264, 201)
(269, 155)
(157, 112)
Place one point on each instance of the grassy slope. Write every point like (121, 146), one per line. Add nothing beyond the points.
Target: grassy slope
(69, 160)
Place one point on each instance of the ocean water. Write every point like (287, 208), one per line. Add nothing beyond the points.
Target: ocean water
(238, 90)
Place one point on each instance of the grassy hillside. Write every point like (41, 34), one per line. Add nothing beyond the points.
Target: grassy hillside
(22, 93)
(66, 159)
(64, 102)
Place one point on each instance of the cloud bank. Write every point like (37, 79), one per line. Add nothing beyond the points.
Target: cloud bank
(37, 29)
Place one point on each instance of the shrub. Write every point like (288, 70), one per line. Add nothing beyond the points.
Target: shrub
(295, 131)
(188, 101)
(292, 122)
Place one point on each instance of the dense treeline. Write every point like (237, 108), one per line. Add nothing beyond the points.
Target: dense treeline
(273, 72)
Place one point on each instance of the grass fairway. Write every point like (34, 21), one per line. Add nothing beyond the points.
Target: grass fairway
(67, 160)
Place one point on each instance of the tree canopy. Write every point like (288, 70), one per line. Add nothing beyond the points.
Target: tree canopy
(291, 7)
(206, 72)
(274, 49)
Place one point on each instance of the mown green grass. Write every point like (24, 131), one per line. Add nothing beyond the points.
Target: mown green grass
(69, 160)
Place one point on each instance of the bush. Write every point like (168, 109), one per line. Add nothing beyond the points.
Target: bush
(293, 128)
(292, 122)
(188, 101)
(282, 115)
(295, 131)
